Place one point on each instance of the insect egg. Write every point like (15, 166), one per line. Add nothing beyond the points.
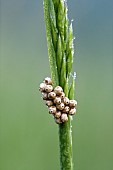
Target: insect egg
(48, 81)
(42, 87)
(66, 109)
(66, 101)
(57, 114)
(58, 90)
(52, 109)
(51, 95)
(72, 103)
(49, 103)
(72, 111)
(60, 106)
(64, 117)
(44, 96)
(57, 100)
(62, 95)
(48, 88)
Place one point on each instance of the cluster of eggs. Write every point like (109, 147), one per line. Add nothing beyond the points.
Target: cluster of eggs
(58, 105)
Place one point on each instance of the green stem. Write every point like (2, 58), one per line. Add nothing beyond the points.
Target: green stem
(60, 70)
(65, 140)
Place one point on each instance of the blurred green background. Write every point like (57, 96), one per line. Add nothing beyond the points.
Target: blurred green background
(28, 135)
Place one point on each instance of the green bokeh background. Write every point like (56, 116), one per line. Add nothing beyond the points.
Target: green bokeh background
(28, 135)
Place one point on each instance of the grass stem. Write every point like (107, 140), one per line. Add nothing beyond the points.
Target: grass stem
(60, 50)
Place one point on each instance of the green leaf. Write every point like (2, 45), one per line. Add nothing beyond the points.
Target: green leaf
(69, 63)
(54, 35)
(66, 87)
(70, 45)
(71, 90)
(66, 24)
(70, 36)
(59, 55)
(61, 19)
(69, 51)
(63, 72)
(51, 52)
(56, 4)
(52, 12)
